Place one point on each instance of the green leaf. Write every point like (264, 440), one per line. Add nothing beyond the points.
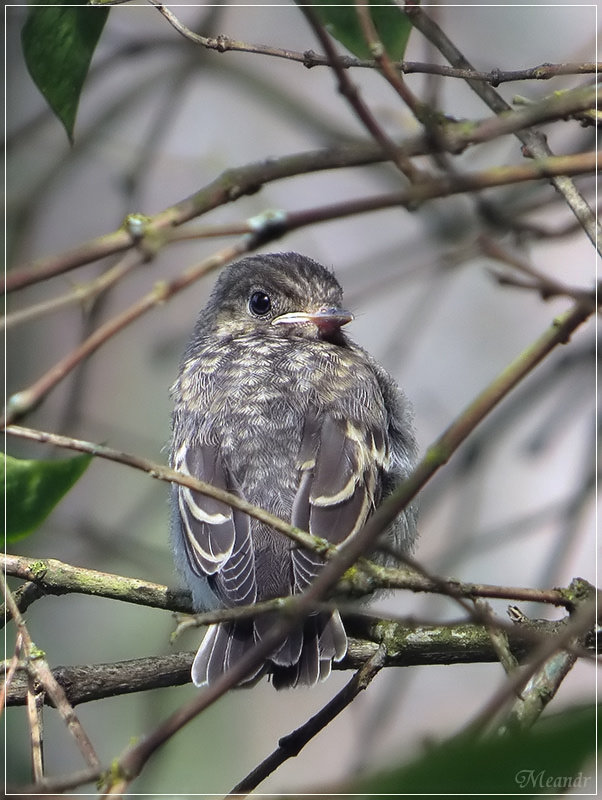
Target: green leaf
(33, 488)
(58, 43)
(549, 759)
(392, 25)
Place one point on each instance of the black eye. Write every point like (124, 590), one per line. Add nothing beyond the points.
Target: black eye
(260, 303)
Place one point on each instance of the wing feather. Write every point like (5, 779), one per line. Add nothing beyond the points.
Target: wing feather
(341, 465)
(217, 538)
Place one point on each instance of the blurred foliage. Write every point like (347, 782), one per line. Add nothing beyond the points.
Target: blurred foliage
(392, 25)
(58, 44)
(545, 760)
(34, 487)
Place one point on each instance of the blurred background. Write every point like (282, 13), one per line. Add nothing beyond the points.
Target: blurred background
(158, 120)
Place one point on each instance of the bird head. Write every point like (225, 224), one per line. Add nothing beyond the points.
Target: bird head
(277, 295)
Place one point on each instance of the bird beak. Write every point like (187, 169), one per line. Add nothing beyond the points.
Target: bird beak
(326, 318)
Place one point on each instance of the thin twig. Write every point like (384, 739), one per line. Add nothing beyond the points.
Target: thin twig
(499, 639)
(13, 665)
(57, 578)
(227, 187)
(538, 692)
(238, 181)
(310, 59)
(269, 227)
(26, 400)
(546, 285)
(385, 64)
(581, 622)
(514, 121)
(351, 93)
(534, 144)
(36, 728)
(447, 185)
(61, 783)
(40, 671)
(164, 473)
(81, 294)
(48, 267)
(290, 746)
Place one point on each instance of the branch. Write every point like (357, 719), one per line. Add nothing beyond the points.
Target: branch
(390, 645)
(386, 66)
(513, 121)
(290, 746)
(534, 143)
(581, 622)
(248, 179)
(370, 577)
(546, 285)
(37, 669)
(54, 577)
(81, 294)
(272, 225)
(24, 401)
(541, 688)
(44, 268)
(405, 646)
(309, 59)
(227, 187)
(351, 93)
(164, 473)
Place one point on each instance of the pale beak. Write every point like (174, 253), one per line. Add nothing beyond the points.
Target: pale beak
(327, 318)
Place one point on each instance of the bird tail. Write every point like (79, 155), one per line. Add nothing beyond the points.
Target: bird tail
(222, 646)
(303, 658)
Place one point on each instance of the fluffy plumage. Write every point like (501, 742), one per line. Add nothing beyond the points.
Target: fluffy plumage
(274, 403)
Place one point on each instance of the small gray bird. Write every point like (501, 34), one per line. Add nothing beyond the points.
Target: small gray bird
(275, 404)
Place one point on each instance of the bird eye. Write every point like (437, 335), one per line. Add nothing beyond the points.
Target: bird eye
(260, 303)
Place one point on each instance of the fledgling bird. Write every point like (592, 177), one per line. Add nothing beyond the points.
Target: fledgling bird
(274, 403)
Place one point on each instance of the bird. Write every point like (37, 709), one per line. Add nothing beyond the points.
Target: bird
(276, 404)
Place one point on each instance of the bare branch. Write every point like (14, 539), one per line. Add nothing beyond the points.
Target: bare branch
(537, 280)
(28, 399)
(236, 182)
(385, 64)
(55, 577)
(81, 294)
(227, 187)
(351, 93)
(48, 267)
(539, 691)
(552, 648)
(405, 644)
(164, 473)
(535, 144)
(38, 669)
(513, 121)
(291, 745)
(272, 226)
(309, 59)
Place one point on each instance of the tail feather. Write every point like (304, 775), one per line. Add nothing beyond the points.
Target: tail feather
(287, 653)
(222, 647)
(303, 658)
(324, 641)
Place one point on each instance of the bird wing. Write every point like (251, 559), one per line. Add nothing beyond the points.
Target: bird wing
(217, 538)
(340, 463)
